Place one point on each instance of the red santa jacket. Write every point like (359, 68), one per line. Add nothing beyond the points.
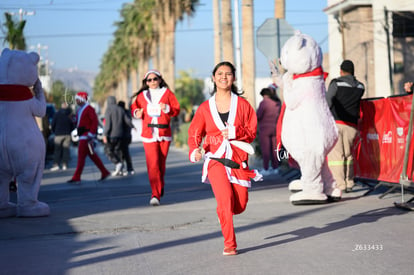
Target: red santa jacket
(206, 128)
(87, 122)
(156, 122)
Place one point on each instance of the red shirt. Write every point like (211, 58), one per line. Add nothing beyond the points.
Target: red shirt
(87, 118)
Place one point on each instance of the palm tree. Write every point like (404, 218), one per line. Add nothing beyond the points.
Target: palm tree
(106, 81)
(127, 30)
(140, 34)
(14, 36)
(168, 13)
(248, 64)
(128, 52)
(227, 31)
(218, 55)
(147, 32)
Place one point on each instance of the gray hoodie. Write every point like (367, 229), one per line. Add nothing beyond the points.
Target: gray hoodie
(115, 118)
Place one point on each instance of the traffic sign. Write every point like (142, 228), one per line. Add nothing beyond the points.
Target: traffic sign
(271, 36)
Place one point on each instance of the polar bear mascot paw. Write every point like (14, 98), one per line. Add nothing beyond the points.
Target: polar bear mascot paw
(22, 147)
(295, 186)
(301, 198)
(333, 194)
(308, 128)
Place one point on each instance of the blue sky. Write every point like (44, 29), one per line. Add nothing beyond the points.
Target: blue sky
(77, 33)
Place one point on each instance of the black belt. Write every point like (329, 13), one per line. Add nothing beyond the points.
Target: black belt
(227, 162)
(162, 126)
(82, 130)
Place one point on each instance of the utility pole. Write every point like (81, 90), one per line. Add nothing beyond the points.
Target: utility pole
(39, 48)
(342, 29)
(248, 64)
(279, 14)
(227, 31)
(280, 9)
(387, 33)
(218, 44)
(43, 67)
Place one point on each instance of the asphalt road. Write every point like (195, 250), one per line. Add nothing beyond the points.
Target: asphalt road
(109, 228)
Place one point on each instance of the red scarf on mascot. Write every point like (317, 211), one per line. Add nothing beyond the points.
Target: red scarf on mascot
(14, 92)
(315, 72)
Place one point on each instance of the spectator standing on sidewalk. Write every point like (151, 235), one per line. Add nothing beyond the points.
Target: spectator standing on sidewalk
(267, 116)
(62, 125)
(115, 118)
(344, 96)
(87, 125)
(155, 104)
(126, 140)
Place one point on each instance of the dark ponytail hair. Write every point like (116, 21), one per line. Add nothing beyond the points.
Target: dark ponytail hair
(270, 93)
(234, 88)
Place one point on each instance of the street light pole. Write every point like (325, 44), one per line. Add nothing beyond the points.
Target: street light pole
(22, 12)
(40, 47)
(237, 44)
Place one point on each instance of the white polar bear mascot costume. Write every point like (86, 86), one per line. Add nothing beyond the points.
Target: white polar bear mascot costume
(22, 147)
(308, 128)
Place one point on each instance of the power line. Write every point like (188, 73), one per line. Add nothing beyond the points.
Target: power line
(66, 9)
(64, 35)
(69, 3)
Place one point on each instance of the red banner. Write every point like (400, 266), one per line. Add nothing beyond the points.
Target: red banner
(380, 145)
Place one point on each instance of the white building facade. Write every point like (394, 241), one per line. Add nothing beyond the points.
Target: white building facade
(378, 36)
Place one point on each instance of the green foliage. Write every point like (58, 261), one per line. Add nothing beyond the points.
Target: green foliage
(14, 36)
(188, 90)
(138, 41)
(59, 93)
(180, 139)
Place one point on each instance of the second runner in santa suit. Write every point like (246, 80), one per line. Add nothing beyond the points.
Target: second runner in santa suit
(220, 121)
(87, 125)
(155, 104)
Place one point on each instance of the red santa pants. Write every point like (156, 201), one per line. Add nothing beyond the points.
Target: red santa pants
(231, 200)
(156, 156)
(83, 151)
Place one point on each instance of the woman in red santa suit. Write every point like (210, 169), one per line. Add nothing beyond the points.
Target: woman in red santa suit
(87, 125)
(222, 123)
(155, 104)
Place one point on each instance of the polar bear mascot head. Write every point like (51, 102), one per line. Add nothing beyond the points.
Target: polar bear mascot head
(301, 54)
(18, 67)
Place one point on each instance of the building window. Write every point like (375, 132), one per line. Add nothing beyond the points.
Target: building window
(403, 24)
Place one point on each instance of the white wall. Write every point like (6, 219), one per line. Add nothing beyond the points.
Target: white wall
(381, 73)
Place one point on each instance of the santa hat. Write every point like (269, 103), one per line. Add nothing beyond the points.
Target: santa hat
(152, 71)
(82, 96)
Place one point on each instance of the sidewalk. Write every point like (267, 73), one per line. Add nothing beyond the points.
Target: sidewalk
(109, 228)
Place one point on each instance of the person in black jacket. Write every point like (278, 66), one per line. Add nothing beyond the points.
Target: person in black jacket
(126, 140)
(344, 97)
(115, 118)
(62, 125)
